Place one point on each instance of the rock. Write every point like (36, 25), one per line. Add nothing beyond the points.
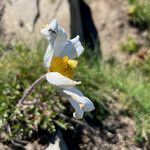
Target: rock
(110, 135)
(4, 147)
(23, 19)
(34, 146)
(111, 20)
(85, 139)
(2, 6)
(20, 14)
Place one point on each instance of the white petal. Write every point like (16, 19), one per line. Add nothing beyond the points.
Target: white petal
(84, 103)
(60, 81)
(77, 45)
(72, 48)
(48, 55)
(53, 26)
(89, 105)
(45, 31)
(60, 42)
(78, 114)
(69, 50)
(51, 36)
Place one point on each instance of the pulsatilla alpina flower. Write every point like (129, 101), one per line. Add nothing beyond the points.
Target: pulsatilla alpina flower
(60, 60)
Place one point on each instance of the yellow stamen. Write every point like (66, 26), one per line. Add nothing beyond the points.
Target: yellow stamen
(44, 26)
(81, 106)
(64, 65)
(65, 59)
(72, 63)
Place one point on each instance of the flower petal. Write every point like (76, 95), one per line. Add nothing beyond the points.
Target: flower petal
(54, 25)
(84, 103)
(50, 29)
(50, 32)
(77, 45)
(60, 42)
(78, 114)
(69, 50)
(72, 48)
(60, 81)
(48, 55)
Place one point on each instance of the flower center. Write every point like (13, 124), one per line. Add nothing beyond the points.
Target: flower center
(64, 65)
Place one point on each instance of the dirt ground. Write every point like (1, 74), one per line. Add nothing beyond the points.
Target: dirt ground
(117, 132)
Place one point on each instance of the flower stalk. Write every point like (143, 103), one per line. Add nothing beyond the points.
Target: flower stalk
(30, 89)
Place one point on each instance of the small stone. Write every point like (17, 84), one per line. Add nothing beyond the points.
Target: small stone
(85, 139)
(110, 135)
(85, 131)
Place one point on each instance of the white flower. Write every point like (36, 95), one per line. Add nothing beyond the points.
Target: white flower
(59, 59)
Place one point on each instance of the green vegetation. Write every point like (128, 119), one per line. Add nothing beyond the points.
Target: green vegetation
(21, 66)
(139, 11)
(133, 85)
(130, 45)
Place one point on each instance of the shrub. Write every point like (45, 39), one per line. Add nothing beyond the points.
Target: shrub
(139, 12)
(130, 45)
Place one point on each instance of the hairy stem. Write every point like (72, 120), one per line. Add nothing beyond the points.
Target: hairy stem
(30, 89)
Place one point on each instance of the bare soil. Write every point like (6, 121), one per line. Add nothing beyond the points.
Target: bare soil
(116, 132)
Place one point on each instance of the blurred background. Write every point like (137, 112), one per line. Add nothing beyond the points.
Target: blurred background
(114, 70)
